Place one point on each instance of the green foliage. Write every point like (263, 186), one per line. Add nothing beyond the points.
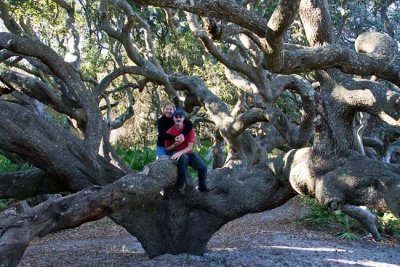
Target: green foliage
(349, 236)
(388, 224)
(344, 226)
(43, 17)
(290, 104)
(136, 157)
(4, 203)
(335, 221)
(203, 151)
(7, 166)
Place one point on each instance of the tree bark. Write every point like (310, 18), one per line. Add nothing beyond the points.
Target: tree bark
(168, 223)
(26, 184)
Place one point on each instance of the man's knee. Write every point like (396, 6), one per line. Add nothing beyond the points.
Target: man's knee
(183, 159)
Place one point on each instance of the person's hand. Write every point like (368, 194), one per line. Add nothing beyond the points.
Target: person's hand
(178, 142)
(176, 155)
(180, 138)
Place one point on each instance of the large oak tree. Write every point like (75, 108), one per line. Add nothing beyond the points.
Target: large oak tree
(335, 85)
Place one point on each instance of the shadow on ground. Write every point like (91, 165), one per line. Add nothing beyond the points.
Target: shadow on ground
(270, 238)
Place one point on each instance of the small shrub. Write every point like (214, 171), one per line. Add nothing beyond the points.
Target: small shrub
(335, 221)
(7, 166)
(204, 152)
(5, 203)
(136, 157)
(388, 224)
(349, 236)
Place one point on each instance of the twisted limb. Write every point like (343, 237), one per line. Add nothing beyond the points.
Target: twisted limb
(362, 214)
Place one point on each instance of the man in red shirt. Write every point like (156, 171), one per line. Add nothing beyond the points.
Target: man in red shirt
(181, 151)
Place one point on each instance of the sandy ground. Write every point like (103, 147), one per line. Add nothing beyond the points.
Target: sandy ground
(270, 238)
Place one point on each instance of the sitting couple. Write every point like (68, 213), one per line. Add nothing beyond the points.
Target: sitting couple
(175, 139)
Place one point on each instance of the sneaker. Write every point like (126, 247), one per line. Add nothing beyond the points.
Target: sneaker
(181, 189)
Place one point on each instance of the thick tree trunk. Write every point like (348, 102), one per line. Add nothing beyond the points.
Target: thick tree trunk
(168, 223)
(177, 224)
(332, 170)
(55, 150)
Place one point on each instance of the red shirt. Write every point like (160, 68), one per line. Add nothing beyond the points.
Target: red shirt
(189, 138)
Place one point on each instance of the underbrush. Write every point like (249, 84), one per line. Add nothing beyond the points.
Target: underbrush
(136, 157)
(342, 225)
(5, 203)
(7, 166)
(388, 224)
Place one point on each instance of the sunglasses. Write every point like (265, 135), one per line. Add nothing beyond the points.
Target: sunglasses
(178, 116)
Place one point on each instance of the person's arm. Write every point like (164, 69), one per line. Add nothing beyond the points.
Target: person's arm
(170, 146)
(190, 138)
(188, 127)
(178, 154)
(163, 131)
(169, 136)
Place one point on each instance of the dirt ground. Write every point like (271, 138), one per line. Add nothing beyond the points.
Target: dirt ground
(271, 238)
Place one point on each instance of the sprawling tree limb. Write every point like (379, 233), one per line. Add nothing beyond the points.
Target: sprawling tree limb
(71, 211)
(230, 62)
(33, 48)
(40, 91)
(386, 105)
(364, 216)
(52, 148)
(278, 24)
(317, 22)
(133, 52)
(149, 73)
(359, 125)
(126, 201)
(70, 25)
(342, 58)
(371, 97)
(299, 60)
(146, 203)
(256, 79)
(25, 184)
(30, 47)
(151, 53)
(222, 9)
(297, 136)
(347, 183)
(393, 148)
(9, 22)
(217, 109)
(332, 170)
